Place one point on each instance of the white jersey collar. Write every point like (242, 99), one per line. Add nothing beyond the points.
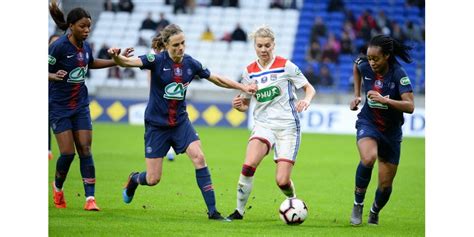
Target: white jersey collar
(268, 66)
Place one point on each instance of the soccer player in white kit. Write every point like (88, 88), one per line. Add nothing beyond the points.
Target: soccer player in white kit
(276, 118)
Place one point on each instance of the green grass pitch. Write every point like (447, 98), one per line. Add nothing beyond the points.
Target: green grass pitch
(323, 177)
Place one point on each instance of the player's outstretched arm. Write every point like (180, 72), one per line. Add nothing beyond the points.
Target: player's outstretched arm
(227, 83)
(104, 63)
(122, 60)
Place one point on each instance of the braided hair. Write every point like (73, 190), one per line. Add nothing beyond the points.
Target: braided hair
(392, 47)
(72, 17)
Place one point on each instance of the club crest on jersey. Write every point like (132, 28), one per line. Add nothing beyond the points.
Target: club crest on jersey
(80, 56)
(378, 84)
(178, 72)
(175, 91)
(189, 71)
(267, 94)
(150, 57)
(297, 71)
(51, 60)
(405, 81)
(78, 75)
(273, 77)
(264, 79)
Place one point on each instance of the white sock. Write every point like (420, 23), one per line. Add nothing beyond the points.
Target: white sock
(90, 197)
(244, 188)
(56, 188)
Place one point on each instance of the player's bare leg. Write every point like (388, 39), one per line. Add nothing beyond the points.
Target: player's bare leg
(283, 174)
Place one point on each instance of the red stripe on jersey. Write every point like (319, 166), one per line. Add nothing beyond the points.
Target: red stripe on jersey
(74, 96)
(279, 62)
(253, 67)
(173, 104)
(379, 122)
(77, 87)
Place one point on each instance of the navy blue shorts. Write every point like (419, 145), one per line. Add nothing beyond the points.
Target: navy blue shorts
(158, 140)
(388, 144)
(77, 119)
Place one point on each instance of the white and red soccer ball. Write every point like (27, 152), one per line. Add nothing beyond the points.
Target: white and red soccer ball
(293, 211)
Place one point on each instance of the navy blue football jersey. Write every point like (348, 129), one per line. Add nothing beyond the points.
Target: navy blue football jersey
(71, 92)
(392, 85)
(169, 82)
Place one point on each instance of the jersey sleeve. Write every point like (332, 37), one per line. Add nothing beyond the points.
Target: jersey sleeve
(404, 83)
(54, 54)
(361, 61)
(201, 70)
(148, 61)
(245, 81)
(296, 76)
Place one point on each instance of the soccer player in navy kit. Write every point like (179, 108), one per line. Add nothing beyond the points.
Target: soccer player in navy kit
(379, 133)
(69, 59)
(52, 38)
(166, 120)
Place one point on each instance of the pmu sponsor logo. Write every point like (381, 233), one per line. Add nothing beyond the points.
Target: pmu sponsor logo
(175, 91)
(267, 94)
(78, 75)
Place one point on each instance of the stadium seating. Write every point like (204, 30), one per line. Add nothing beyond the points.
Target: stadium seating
(292, 28)
(396, 11)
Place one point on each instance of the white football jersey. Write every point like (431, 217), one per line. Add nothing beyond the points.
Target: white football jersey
(275, 98)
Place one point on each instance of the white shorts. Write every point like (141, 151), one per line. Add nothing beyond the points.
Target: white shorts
(285, 142)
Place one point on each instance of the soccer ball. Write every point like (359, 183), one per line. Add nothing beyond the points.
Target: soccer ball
(293, 211)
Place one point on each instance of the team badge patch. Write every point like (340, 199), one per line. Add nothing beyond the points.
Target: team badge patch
(297, 71)
(273, 77)
(264, 79)
(51, 60)
(405, 81)
(150, 57)
(178, 72)
(378, 83)
(149, 149)
(80, 56)
(190, 72)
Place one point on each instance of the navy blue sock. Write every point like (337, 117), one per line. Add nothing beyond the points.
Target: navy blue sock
(141, 178)
(203, 178)
(362, 180)
(381, 198)
(88, 174)
(62, 168)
